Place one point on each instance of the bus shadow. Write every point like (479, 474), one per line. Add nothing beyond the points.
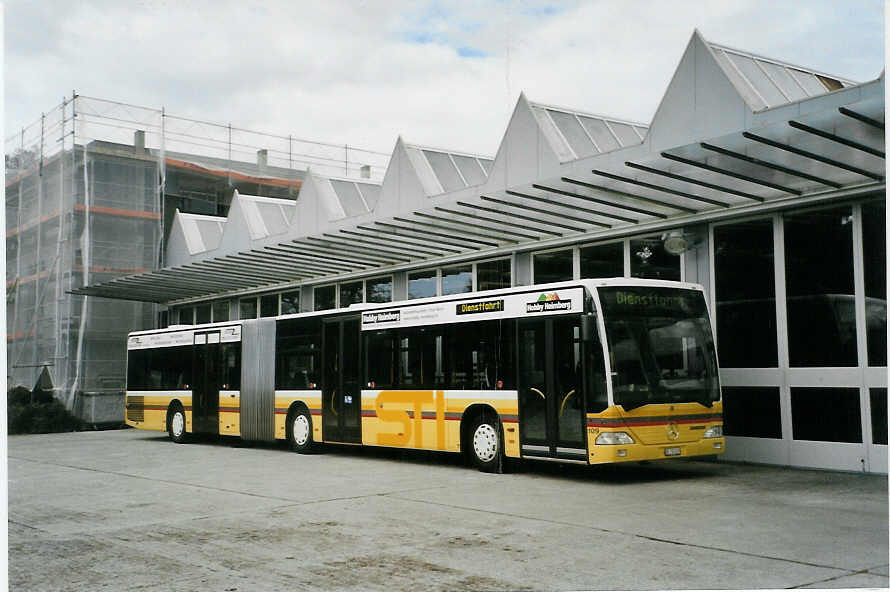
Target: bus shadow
(625, 473)
(616, 474)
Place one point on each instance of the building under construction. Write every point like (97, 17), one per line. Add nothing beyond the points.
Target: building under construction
(92, 188)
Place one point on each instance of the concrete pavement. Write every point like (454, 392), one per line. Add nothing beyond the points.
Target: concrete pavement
(128, 509)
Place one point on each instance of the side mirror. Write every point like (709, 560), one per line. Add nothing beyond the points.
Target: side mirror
(588, 329)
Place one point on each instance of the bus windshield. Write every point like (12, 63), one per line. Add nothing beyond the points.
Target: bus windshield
(660, 346)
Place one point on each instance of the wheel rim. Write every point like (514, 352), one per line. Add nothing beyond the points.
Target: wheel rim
(177, 424)
(485, 442)
(301, 430)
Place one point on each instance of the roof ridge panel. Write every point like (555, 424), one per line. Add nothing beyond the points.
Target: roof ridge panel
(574, 111)
(449, 151)
(754, 56)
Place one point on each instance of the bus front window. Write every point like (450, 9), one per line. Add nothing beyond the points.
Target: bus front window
(660, 346)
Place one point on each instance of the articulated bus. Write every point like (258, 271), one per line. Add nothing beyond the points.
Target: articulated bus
(590, 371)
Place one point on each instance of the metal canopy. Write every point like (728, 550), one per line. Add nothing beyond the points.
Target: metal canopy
(784, 159)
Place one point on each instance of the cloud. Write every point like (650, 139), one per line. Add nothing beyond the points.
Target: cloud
(440, 73)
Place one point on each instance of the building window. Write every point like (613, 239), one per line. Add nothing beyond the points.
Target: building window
(752, 412)
(247, 308)
(422, 284)
(874, 247)
(878, 398)
(325, 297)
(290, 302)
(187, 316)
(269, 305)
(220, 311)
(819, 285)
(556, 266)
(745, 291)
(379, 289)
(826, 414)
(351, 293)
(457, 280)
(649, 260)
(493, 275)
(603, 261)
(202, 314)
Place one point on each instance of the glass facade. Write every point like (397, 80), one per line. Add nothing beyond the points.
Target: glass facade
(247, 308)
(422, 284)
(220, 311)
(325, 297)
(555, 266)
(819, 288)
(493, 275)
(290, 302)
(745, 291)
(649, 260)
(602, 261)
(351, 293)
(187, 316)
(379, 289)
(753, 412)
(202, 314)
(874, 254)
(878, 400)
(826, 414)
(457, 280)
(269, 305)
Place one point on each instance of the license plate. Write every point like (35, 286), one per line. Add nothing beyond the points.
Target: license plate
(672, 452)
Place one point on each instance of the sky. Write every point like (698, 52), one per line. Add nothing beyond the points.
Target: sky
(443, 74)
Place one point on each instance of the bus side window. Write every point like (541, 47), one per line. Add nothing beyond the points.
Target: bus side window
(380, 361)
(231, 375)
(298, 352)
(597, 395)
(479, 355)
(420, 357)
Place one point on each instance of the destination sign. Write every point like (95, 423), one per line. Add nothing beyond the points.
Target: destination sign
(480, 306)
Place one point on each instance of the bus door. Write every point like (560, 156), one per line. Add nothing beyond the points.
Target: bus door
(341, 406)
(551, 401)
(206, 371)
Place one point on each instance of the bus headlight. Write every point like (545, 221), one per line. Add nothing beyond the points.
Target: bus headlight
(614, 438)
(714, 432)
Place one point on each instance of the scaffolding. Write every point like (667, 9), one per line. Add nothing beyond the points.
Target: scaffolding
(90, 188)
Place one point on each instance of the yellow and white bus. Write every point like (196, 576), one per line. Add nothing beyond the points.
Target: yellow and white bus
(589, 371)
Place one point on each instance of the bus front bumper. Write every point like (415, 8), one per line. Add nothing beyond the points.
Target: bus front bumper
(637, 452)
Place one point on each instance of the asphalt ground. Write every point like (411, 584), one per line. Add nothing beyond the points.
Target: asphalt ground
(129, 510)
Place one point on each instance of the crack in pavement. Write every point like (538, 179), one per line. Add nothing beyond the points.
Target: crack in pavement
(866, 571)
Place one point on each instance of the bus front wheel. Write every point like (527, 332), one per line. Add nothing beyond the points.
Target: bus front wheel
(176, 424)
(486, 444)
(299, 431)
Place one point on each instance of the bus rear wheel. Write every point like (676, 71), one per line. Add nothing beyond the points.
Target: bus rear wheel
(299, 431)
(486, 444)
(176, 424)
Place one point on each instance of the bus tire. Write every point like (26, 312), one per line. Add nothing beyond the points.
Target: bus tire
(176, 424)
(486, 443)
(299, 431)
